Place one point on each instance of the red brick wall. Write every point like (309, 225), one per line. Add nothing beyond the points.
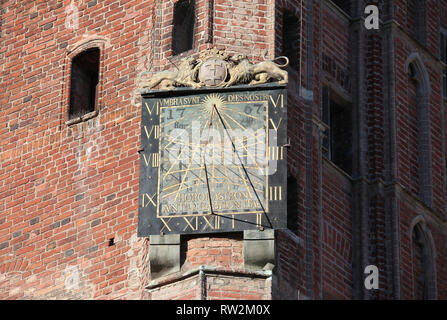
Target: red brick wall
(66, 190)
(224, 251)
(214, 287)
(337, 239)
(243, 26)
(188, 289)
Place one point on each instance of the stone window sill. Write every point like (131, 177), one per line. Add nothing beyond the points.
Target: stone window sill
(83, 118)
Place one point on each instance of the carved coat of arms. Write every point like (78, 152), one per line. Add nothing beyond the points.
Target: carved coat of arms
(215, 68)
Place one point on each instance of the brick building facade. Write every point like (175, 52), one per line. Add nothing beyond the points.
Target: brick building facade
(367, 163)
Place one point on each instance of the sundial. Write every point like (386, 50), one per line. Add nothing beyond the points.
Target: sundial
(213, 159)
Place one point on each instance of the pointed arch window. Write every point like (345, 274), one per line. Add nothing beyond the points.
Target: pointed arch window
(419, 122)
(423, 264)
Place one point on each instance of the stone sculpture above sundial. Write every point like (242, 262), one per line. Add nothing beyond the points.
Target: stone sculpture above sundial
(213, 157)
(216, 68)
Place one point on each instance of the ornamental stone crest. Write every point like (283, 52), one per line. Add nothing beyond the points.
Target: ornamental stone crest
(213, 72)
(216, 68)
(213, 67)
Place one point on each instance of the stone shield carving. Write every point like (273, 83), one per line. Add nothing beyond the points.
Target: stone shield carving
(213, 72)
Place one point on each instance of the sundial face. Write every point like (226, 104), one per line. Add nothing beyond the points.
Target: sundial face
(213, 162)
(206, 162)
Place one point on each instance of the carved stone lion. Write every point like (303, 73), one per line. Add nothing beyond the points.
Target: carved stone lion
(215, 68)
(243, 71)
(185, 76)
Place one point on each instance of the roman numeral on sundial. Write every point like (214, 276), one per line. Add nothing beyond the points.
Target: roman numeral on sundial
(155, 129)
(275, 153)
(155, 107)
(275, 193)
(148, 200)
(279, 101)
(210, 223)
(153, 159)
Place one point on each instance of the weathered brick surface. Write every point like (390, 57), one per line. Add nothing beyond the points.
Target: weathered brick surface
(214, 252)
(214, 287)
(68, 189)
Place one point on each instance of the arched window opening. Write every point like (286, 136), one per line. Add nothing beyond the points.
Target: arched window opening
(413, 145)
(419, 149)
(423, 264)
(84, 83)
(183, 29)
(291, 35)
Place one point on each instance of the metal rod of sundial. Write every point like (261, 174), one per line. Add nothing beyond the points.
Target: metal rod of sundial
(208, 187)
(204, 162)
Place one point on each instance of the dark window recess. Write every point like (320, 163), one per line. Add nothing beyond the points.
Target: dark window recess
(419, 265)
(84, 82)
(416, 19)
(345, 5)
(337, 139)
(443, 56)
(183, 30)
(291, 39)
